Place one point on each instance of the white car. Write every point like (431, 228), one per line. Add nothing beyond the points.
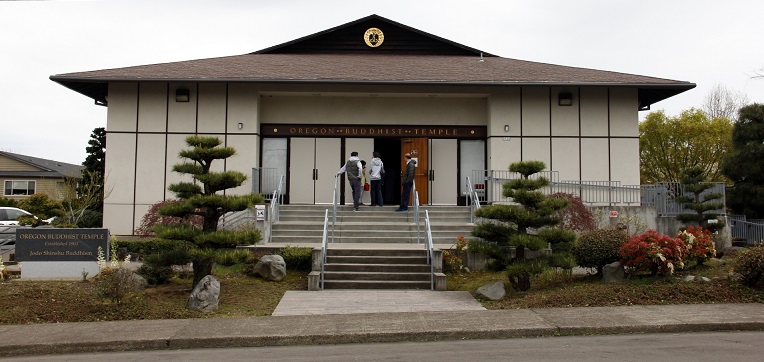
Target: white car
(9, 216)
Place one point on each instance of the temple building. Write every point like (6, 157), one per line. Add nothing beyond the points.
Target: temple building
(298, 109)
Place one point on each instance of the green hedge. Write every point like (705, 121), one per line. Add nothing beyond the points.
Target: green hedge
(152, 246)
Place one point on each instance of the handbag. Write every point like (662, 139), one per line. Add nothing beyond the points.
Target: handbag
(366, 187)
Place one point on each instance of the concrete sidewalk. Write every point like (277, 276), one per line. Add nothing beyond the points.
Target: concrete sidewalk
(343, 301)
(373, 327)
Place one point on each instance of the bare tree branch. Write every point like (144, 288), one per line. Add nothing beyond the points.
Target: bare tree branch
(722, 102)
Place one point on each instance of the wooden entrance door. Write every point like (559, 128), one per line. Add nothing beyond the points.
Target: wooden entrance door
(417, 147)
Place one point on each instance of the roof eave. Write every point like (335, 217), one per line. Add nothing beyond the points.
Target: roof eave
(97, 88)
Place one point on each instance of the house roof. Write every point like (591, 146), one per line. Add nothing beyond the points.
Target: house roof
(48, 168)
(339, 56)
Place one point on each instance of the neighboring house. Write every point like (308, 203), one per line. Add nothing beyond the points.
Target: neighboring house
(22, 176)
(298, 109)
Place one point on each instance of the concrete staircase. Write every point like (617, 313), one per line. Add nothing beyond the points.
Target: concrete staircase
(375, 248)
(377, 269)
(303, 224)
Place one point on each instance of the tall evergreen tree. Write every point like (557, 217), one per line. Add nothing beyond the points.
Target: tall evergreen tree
(207, 202)
(744, 166)
(526, 225)
(694, 183)
(94, 174)
(96, 149)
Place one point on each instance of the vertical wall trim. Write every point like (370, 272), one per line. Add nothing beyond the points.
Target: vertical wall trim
(609, 140)
(135, 153)
(196, 116)
(342, 180)
(225, 131)
(521, 124)
(580, 143)
(166, 141)
(551, 138)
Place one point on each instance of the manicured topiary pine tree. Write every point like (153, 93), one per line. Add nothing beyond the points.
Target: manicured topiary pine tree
(525, 225)
(208, 202)
(694, 184)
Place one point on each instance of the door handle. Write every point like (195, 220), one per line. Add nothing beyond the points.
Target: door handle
(315, 174)
(431, 175)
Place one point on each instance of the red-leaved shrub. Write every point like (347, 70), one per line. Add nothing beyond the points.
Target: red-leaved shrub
(700, 247)
(653, 252)
(152, 218)
(576, 216)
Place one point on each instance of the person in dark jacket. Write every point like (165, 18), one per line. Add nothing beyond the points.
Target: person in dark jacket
(408, 182)
(353, 168)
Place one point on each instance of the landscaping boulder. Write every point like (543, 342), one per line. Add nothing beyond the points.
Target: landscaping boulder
(493, 291)
(271, 267)
(132, 281)
(613, 273)
(206, 295)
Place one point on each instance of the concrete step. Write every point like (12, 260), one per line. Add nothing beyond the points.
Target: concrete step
(383, 268)
(394, 268)
(311, 217)
(370, 226)
(376, 276)
(382, 259)
(376, 252)
(376, 284)
(317, 239)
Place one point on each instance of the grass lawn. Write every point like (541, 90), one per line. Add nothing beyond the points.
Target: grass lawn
(23, 302)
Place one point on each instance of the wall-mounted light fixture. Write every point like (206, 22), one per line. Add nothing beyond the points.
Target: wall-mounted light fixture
(240, 125)
(182, 95)
(565, 99)
(506, 128)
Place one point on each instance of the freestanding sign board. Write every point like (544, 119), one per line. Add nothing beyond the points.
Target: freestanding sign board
(52, 253)
(260, 212)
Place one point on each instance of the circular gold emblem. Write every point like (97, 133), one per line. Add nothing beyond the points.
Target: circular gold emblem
(373, 37)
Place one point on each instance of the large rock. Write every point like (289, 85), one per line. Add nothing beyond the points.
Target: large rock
(493, 291)
(613, 273)
(206, 295)
(129, 280)
(271, 267)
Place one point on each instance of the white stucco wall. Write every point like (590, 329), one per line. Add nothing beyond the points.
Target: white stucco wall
(374, 110)
(594, 139)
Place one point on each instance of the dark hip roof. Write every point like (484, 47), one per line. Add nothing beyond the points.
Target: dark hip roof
(408, 57)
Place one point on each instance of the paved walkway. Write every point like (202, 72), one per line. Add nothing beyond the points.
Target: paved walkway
(373, 301)
(56, 338)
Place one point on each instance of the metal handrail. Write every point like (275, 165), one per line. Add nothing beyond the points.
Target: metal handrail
(474, 200)
(430, 248)
(335, 201)
(276, 200)
(323, 246)
(416, 212)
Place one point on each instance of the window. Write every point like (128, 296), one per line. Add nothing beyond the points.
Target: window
(19, 188)
(14, 214)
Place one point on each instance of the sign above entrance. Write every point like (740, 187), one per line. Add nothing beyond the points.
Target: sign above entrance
(380, 131)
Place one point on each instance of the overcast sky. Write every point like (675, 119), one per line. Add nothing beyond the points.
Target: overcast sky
(701, 41)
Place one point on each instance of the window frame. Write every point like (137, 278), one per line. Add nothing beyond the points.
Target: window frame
(6, 188)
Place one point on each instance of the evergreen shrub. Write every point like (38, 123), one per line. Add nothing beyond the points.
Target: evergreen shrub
(750, 266)
(297, 257)
(599, 247)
